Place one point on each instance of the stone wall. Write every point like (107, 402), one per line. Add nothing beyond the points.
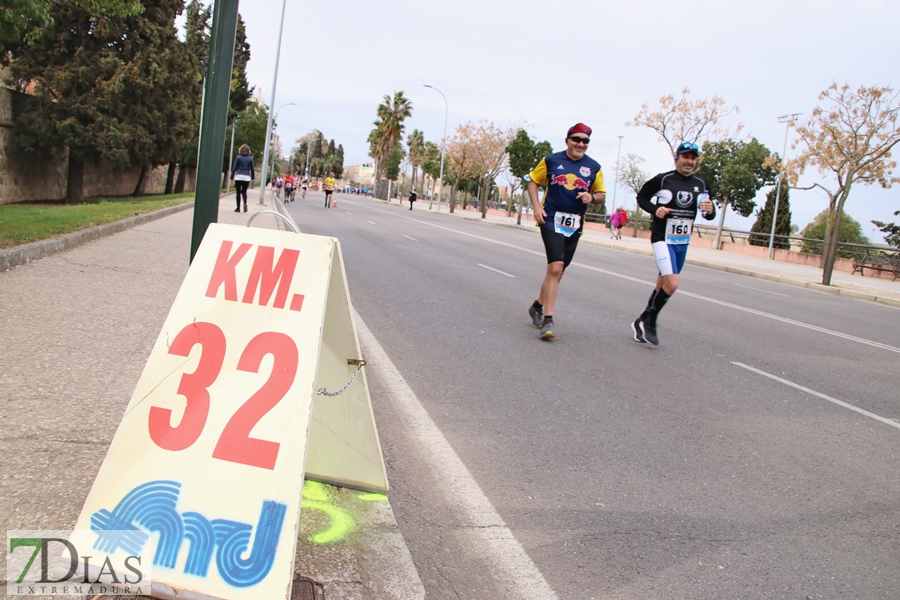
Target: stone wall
(21, 181)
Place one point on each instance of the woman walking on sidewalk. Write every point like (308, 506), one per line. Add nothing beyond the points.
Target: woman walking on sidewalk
(242, 173)
(618, 220)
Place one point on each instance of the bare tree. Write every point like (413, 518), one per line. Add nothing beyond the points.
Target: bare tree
(485, 146)
(849, 139)
(685, 120)
(631, 177)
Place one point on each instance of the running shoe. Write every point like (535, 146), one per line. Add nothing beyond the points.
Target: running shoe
(650, 330)
(547, 331)
(537, 318)
(638, 331)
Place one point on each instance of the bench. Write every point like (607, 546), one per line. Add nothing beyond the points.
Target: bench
(878, 262)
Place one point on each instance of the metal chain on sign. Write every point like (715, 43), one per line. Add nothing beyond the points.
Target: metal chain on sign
(359, 365)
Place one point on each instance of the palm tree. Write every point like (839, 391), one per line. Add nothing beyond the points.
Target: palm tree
(378, 149)
(391, 114)
(416, 144)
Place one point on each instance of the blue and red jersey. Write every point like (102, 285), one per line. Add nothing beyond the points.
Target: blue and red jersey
(563, 178)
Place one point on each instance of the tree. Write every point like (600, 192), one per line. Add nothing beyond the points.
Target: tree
(685, 120)
(22, 22)
(850, 233)
(415, 143)
(339, 161)
(250, 129)
(155, 87)
(524, 154)
(116, 89)
(304, 148)
(392, 162)
(763, 224)
(432, 167)
(196, 41)
(379, 148)
(460, 162)
(482, 148)
(392, 112)
(632, 177)
(735, 171)
(891, 231)
(241, 90)
(849, 139)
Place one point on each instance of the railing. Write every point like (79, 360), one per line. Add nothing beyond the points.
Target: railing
(782, 242)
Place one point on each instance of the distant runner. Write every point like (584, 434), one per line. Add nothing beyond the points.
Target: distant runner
(572, 180)
(288, 187)
(304, 185)
(328, 186)
(673, 199)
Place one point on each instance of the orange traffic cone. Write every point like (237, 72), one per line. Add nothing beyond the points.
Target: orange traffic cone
(334, 204)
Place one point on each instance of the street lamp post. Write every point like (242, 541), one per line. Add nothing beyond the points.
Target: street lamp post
(786, 119)
(441, 186)
(265, 162)
(616, 184)
(274, 129)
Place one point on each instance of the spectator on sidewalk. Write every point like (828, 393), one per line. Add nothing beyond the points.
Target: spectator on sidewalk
(412, 198)
(242, 173)
(618, 220)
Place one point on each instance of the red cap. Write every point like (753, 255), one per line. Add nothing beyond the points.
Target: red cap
(579, 128)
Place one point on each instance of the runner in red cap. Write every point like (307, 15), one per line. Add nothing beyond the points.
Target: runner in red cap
(571, 180)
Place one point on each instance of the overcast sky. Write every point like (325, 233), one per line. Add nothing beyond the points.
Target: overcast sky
(552, 65)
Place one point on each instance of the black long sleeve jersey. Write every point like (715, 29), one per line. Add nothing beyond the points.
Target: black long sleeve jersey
(678, 192)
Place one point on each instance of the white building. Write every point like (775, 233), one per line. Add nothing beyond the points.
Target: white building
(362, 175)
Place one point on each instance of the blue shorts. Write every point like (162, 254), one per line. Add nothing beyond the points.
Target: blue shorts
(669, 257)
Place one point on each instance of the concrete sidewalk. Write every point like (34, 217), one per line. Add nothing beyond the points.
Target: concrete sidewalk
(873, 289)
(77, 328)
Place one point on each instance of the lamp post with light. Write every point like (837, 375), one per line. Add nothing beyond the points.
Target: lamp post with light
(616, 184)
(441, 186)
(787, 119)
(265, 162)
(274, 129)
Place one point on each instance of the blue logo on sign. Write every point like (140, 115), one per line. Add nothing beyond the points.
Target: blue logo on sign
(151, 507)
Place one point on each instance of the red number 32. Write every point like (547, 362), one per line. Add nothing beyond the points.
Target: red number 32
(235, 443)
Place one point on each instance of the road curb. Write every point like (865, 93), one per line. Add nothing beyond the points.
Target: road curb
(793, 281)
(20, 255)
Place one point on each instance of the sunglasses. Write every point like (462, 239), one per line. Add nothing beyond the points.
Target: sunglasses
(580, 140)
(688, 147)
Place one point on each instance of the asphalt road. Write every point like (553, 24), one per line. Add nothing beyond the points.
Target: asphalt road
(625, 470)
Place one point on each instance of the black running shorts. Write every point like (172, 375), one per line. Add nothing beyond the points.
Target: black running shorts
(328, 192)
(559, 247)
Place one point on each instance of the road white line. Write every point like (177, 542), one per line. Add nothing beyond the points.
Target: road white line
(759, 290)
(760, 313)
(496, 270)
(372, 222)
(349, 213)
(481, 528)
(608, 255)
(845, 336)
(820, 395)
(410, 238)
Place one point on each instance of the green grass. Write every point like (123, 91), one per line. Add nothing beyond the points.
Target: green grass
(29, 222)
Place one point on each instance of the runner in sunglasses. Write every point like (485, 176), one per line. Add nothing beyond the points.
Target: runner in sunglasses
(673, 199)
(571, 180)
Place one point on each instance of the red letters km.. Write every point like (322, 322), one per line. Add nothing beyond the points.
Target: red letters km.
(266, 276)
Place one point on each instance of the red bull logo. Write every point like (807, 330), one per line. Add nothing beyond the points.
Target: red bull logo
(570, 182)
